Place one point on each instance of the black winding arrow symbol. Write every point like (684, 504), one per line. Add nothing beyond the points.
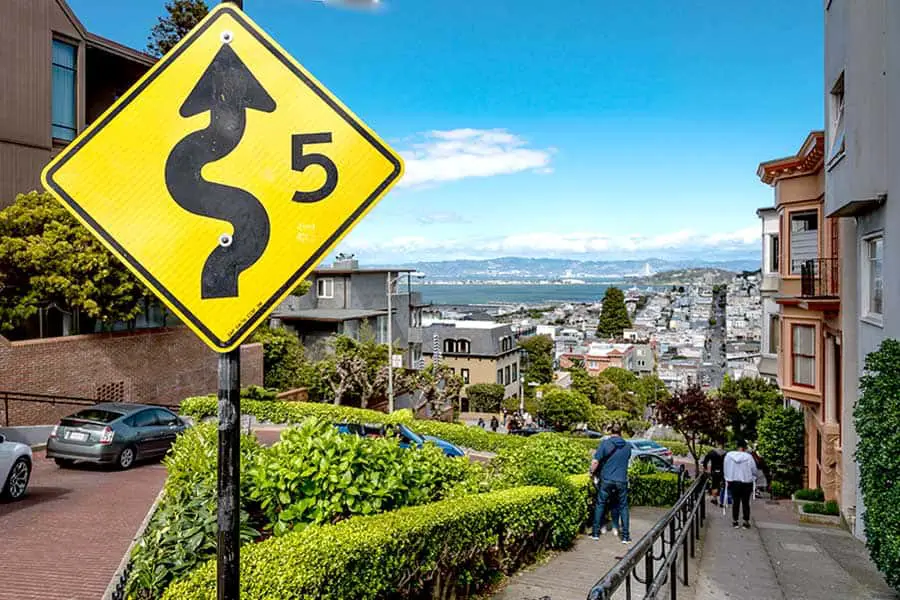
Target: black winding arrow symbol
(227, 89)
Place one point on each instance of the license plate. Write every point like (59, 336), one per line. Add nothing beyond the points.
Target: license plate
(76, 436)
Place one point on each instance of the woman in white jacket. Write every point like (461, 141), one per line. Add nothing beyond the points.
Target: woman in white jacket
(740, 473)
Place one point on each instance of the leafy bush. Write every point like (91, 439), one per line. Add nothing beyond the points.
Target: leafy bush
(182, 532)
(877, 417)
(563, 409)
(435, 550)
(316, 475)
(200, 407)
(781, 446)
(829, 508)
(545, 452)
(653, 489)
(816, 495)
(485, 397)
(255, 392)
(780, 490)
(475, 438)
(282, 357)
(601, 419)
(679, 448)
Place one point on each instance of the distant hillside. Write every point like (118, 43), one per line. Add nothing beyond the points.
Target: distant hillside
(687, 277)
(557, 269)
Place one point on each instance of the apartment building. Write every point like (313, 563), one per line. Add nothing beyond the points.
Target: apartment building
(770, 323)
(478, 351)
(57, 78)
(862, 142)
(345, 299)
(599, 356)
(808, 338)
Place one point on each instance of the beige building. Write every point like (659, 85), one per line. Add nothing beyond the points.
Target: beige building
(477, 351)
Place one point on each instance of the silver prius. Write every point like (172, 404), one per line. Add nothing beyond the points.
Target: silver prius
(114, 433)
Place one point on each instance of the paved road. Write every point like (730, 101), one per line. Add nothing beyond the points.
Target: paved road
(65, 539)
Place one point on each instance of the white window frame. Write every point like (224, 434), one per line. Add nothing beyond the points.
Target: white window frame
(464, 373)
(865, 272)
(812, 355)
(836, 121)
(325, 287)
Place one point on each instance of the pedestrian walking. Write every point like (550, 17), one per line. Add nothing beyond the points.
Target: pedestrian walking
(714, 463)
(611, 463)
(740, 473)
(762, 473)
(481, 422)
(494, 423)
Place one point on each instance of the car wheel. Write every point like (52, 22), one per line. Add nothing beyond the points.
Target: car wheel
(17, 481)
(126, 458)
(64, 463)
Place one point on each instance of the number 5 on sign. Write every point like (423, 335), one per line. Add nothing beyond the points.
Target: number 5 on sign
(201, 176)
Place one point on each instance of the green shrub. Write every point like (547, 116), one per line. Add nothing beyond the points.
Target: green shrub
(200, 407)
(679, 448)
(652, 489)
(822, 508)
(816, 495)
(256, 392)
(182, 532)
(475, 438)
(316, 475)
(877, 418)
(453, 546)
(485, 397)
(545, 452)
(780, 444)
(564, 409)
(283, 358)
(780, 490)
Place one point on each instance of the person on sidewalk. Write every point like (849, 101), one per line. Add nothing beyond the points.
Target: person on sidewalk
(494, 423)
(713, 463)
(740, 473)
(611, 463)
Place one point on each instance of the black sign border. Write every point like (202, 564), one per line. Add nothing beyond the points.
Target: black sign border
(316, 257)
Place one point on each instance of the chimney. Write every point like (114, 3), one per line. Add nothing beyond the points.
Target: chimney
(351, 264)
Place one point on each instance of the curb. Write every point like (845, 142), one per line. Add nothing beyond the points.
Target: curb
(126, 558)
(39, 447)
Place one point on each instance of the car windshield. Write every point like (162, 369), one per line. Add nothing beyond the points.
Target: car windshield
(96, 414)
(646, 445)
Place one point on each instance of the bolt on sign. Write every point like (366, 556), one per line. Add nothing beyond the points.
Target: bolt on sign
(224, 176)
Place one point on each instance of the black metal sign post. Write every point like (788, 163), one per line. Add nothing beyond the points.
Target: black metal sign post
(228, 539)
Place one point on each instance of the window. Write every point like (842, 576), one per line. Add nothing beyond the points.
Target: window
(325, 288)
(462, 346)
(146, 418)
(464, 373)
(774, 334)
(776, 248)
(593, 364)
(381, 329)
(515, 372)
(873, 287)
(836, 120)
(804, 238)
(507, 376)
(63, 91)
(500, 376)
(803, 355)
(165, 418)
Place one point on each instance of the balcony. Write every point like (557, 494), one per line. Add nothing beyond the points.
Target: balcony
(820, 284)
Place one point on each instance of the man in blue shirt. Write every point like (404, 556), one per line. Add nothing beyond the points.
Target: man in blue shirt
(611, 464)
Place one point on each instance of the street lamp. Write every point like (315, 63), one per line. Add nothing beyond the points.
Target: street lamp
(390, 281)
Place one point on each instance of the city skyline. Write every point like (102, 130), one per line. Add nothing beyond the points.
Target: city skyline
(590, 133)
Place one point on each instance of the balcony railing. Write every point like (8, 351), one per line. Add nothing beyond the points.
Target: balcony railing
(820, 278)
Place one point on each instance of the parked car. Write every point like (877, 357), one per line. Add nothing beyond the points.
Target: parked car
(588, 433)
(15, 468)
(530, 430)
(408, 438)
(658, 462)
(114, 433)
(643, 446)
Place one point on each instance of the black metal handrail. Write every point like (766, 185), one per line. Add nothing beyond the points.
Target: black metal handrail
(677, 533)
(54, 400)
(820, 278)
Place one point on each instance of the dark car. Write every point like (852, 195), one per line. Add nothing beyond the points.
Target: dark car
(408, 438)
(588, 433)
(529, 430)
(114, 433)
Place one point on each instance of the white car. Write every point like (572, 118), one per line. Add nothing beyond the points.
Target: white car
(15, 469)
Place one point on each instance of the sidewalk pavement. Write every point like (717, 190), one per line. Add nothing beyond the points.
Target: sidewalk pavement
(780, 559)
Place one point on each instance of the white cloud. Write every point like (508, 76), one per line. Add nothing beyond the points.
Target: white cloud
(441, 156)
(442, 218)
(583, 245)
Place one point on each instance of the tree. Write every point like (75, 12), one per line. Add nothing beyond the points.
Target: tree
(563, 409)
(282, 357)
(485, 397)
(538, 364)
(695, 415)
(47, 257)
(650, 390)
(614, 315)
(439, 388)
(781, 446)
(753, 398)
(182, 16)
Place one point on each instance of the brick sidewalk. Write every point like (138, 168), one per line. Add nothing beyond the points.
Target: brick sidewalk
(779, 559)
(65, 539)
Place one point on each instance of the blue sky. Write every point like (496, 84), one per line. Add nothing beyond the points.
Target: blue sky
(587, 129)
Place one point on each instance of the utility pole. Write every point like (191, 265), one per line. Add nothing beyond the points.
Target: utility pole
(390, 342)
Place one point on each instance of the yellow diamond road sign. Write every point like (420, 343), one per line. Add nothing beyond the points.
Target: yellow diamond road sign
(224, 176)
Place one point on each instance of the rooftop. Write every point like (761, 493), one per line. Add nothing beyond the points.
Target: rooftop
(469, 324)
(332, 315)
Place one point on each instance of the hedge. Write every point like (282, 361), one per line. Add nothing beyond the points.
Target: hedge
(200, 407)
(657, 489)
(475, 438)
(451, 547)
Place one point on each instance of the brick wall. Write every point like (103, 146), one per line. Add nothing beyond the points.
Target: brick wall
(158, 365)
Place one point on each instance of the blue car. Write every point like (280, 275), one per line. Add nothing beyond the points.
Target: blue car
(408, 437)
